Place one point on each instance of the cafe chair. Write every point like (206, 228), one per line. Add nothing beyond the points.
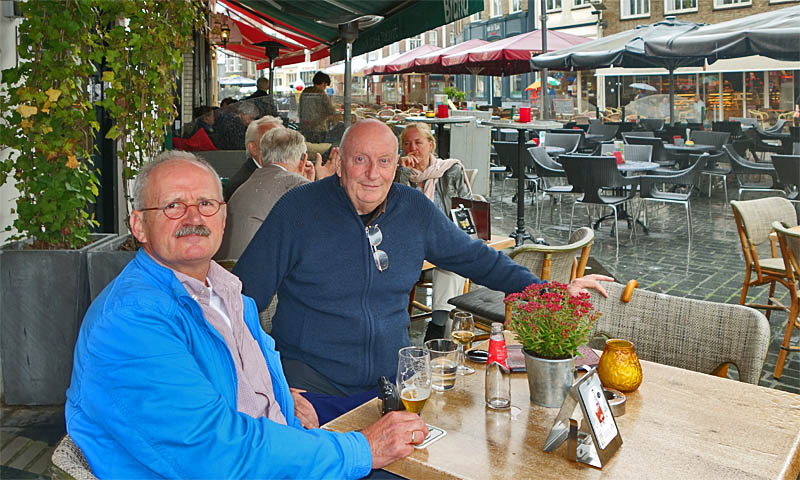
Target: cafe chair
(68, 462)
(548, 170)
(507, 156)
(754, 220)
(686, 333)
(560, 263)
(633, 153)
(787, 168)
(745, 170)
(746, 122)
(717, 166)
(568, 141)
(758, 145)
(659, 155)
(592, 175)
(708, 137)
(777, 127)
(637, 133)
(729, 126)
(651, 124)
(790, 251)
(609, 132)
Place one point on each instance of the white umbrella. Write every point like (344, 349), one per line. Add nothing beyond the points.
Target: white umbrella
(643, 86)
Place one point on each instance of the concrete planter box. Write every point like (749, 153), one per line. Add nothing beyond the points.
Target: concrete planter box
(105, 263)
(43, 297)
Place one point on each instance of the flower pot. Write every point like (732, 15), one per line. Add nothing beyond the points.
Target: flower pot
(549, 381)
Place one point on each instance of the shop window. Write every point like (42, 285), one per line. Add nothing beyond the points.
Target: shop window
(394, 48)
(415, 42)
(497, 8)
(433, 38)
(553, 5)
(635, 8)
(516, 6)
(515, 85)
(307, 78)
(580, 3)
(731, 3)
(475, 17)
(680, 6)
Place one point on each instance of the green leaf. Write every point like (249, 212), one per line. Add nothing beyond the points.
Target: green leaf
(112, 133)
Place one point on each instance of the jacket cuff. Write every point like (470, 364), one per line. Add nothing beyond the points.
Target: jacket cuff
(361, 464)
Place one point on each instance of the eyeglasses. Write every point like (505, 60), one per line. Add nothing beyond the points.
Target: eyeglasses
(375, 238)
(176, 210)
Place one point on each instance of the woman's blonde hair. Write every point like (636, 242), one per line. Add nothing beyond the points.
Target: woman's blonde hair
(424, 129)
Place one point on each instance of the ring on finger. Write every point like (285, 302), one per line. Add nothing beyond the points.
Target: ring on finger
(413, 436)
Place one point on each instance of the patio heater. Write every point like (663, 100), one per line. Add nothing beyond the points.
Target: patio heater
(348, 32)
(272, 49)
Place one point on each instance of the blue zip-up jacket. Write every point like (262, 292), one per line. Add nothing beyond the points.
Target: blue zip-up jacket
(153, 394)
(336, 311)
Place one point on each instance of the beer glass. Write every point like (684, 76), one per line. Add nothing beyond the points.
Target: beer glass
(462, 333)
(414, 377)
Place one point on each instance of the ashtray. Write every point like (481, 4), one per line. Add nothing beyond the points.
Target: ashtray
(616, 400)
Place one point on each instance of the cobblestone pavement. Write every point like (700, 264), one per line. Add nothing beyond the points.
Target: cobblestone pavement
(713, 269)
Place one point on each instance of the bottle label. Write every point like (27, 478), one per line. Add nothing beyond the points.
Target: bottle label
(497, 353)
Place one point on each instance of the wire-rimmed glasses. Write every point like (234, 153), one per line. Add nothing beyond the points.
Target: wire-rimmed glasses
(177, 210)
(375, 238)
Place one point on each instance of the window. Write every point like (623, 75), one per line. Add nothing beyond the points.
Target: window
(433, 38)
(307, 78)
(553, 5)
(731, 3)
(635, 8)
(516, 6)
(580, 3)
(394, 48)
(475, 17)
(414, 42)
(680, 6)
(497, 8)
(515, 86)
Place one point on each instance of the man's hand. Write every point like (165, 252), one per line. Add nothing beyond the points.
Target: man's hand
(589, 281)
(390, 438)
(308, 170)
(303, 410)
(330, 167)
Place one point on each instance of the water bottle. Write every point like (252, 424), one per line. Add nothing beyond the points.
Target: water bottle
(498, 375)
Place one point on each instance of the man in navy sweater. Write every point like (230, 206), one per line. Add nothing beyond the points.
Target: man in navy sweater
(344, 252)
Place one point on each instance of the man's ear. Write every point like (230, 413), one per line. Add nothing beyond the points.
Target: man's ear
(252, 148)
(137, 226)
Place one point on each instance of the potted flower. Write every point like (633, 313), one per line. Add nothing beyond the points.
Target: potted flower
(550, 325)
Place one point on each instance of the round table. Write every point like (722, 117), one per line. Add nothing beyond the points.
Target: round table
(440, 123)
(629, 167)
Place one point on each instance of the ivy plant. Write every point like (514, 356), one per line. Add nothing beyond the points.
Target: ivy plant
(48, 119)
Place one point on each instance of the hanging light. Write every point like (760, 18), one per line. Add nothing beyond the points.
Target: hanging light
(225, 33)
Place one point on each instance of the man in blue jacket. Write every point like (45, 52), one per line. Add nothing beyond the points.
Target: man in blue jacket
(173, 376)
(343, 253)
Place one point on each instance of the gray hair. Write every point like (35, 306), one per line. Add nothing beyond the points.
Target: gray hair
(343, 144)
(252, 130)
(143, 177)
(282, 145)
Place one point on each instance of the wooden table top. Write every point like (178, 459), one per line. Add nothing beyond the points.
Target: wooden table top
(678, 424)
(498, 242)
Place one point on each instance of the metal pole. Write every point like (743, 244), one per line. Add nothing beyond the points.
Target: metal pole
(672, 96)
(348, 80)
(271, 75)
(545, 73)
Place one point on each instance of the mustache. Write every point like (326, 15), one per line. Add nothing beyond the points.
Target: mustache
(193, 230)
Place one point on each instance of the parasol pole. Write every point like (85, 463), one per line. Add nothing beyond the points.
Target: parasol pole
(544, 72)
(671, 95)
(475, 71)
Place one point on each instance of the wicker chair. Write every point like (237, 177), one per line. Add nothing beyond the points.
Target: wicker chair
(686, 333)
(790, 251)
(754, 222)
(559, 263)
(68, 462)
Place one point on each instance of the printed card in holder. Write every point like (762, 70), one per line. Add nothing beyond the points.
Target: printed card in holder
(481, 215)
(463, 218)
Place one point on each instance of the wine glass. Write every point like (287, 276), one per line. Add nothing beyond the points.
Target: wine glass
(414, 377)
(462, 333)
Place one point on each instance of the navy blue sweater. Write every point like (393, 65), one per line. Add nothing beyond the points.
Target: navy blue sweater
(336, 311)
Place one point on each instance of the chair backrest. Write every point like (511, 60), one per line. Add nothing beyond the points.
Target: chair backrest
(68, 462)
(748, 121)
(686, 333)
(607, 131)
(777, 127)
(790, 249)
(589, 174)
(707, 137)
(568, 141)
(638, 133)
(658, 153)
(543, 164)
(651, 124)
(755, 217)
(506, 154)
(633, 153)
(557, 263)
(788, 168)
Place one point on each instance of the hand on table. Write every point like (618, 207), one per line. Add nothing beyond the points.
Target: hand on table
(589, 281)
(303, 409)
(330, 167)
(390, 438)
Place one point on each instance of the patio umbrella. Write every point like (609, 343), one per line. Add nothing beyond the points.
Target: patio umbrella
(432, 62)
(626, 49)
(774, 34)
(643, 86)
(538, 84)
(396, 63)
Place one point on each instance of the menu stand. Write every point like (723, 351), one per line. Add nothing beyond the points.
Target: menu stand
(592, 437)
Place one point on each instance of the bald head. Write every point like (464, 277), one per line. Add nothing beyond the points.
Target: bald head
(369, 160)
(365, 131)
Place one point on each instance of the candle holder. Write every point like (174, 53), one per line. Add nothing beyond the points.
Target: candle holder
(619, 367)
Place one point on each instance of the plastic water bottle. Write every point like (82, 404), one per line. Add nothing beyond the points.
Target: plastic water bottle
(498, 375)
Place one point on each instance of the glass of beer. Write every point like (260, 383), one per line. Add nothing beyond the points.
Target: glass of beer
(462, 333)
(414, 377)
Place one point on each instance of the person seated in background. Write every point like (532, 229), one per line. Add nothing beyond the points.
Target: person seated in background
(284, 165)
(173, 376)
(440, 180)
(203, 118)
(315, 109)
(232, 124)
(227, 101)
(262, 87)
(252, 137)
(343, 275)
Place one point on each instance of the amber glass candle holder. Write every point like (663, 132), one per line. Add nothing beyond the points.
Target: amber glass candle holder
(619, 367)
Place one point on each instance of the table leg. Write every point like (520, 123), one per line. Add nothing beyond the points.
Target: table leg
(520, 235)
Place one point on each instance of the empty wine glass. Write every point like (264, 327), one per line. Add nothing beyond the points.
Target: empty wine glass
(462, 333)
(414, 377)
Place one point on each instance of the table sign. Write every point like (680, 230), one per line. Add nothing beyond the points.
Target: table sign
(593, 437)
(481, 215)
(463, 218)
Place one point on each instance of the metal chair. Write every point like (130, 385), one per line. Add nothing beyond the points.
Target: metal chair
(591, 174)
(743, 169)
(633, 153)
(560, 263)
(787, 167)
(790, 252)
(777, 127)
(754, 222)
(649, 191)
(507, 157)
(659, 155)
(548, 169)
(637, 133)
(718, 166)
(685, 333)
(708, 137)
(758, 145)
(607, 131)
(68, 462)
(651, 124)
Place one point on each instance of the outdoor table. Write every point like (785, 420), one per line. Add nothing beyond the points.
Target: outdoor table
(682, 152)
(520, 235)
(678, 424)
(498, 242)
(440, 123)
